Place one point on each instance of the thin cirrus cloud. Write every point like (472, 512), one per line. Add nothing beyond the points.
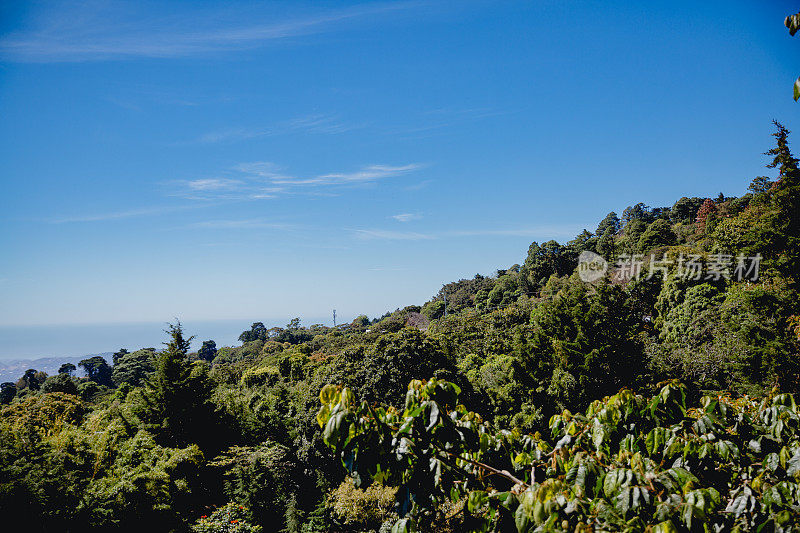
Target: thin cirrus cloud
(264, 180)
(321, 124)
(90, 31)
(406, 217)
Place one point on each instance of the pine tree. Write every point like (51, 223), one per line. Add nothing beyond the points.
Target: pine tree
(787, 201)
(177, 409)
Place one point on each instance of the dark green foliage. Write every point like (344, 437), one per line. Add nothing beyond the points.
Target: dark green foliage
(174, 404)
(134, 368)
(98, 370)
(544, 261)
(32, 379)
(257, 332)
(611, 222)
(639, 212)
(61, 382)
(787, 201)
(659, 233)
(208, 351)
(585, 343)
(460, 295)
(383, 369)
(7, 392)
(67, 368)
(760, 184)
(118, 355)
(684, 211)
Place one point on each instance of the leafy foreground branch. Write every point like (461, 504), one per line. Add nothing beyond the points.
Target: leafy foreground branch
(628, 463)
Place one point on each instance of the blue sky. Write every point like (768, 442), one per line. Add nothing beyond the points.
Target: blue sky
(224, 160)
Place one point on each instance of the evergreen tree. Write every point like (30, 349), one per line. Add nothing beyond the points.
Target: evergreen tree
(176, 397)
(610, 222)
(787, 201)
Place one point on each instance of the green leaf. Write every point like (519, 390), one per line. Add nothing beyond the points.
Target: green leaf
(630, 499)
(323, 414)
(742, 502)
(599, 434)
(793, 466)
(404, 525)
(476, 500)
(682, 477)
(433, 416)
(726, 450)
(665, 527)
(655, 440)
(616, 480)
(772, 461)
(328, 394)
(347, 397)
(797, 89)
(336, 429)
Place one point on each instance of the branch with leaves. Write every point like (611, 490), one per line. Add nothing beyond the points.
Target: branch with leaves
(627, 463)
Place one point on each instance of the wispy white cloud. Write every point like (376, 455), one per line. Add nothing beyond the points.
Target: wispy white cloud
(91, 31)
(406, 217)
(214, 184)
(367, 174)
(264, 180)
(321, 124)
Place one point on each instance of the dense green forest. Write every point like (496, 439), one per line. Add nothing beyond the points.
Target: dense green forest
(657, 395)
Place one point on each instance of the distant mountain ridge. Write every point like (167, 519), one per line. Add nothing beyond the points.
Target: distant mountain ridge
(13, 369)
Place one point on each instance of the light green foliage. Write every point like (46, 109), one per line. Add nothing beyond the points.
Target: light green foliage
(363, 509)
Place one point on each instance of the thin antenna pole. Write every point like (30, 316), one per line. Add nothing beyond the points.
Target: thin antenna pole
(334, 318)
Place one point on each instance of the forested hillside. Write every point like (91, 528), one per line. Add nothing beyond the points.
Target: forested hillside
(652, 388)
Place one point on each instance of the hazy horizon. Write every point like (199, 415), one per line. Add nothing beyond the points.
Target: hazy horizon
(74, 340)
